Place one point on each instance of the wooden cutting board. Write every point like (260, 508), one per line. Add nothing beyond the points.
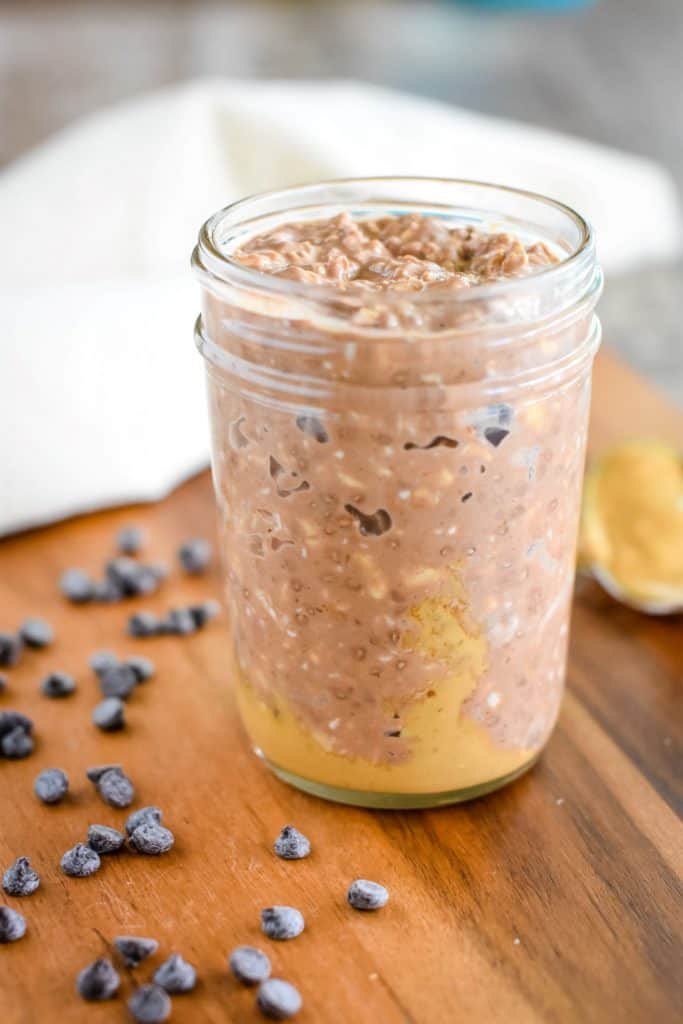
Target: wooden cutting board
(554, 900)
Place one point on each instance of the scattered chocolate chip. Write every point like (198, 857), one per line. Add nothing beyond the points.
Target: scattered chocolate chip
(10, 720)
(150, 1004)
(364, 895)
(143, 816)
(36, 633)
(77, 586)
(51, 786)
(101, 660)
(277, 999)
(103, 839)
(21, 879)
(129, 540)
(178, 622)
(12, 925)
(10, 649)
(98, 981)
(115, 787)
(134, 949)
(109, 715)
(3, 682)
(494, 435)
(436, 442)
(106, 591)
(292, 844)
(370, 525)
(467, 496)
(80, 861)
(132, 578)
(312, 425)
(118, 681)
(16, 744)
(152, 839)
(194, 555)
(58, 684)
(249, 965)
(175, 975)
(282, 922)
(143, 624)
(96, 773)
(204, 613)
(142, 667)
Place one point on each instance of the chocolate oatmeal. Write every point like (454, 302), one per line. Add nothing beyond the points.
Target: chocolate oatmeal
(398, 533)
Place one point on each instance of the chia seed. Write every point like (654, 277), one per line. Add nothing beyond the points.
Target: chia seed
(36, 633)
(80, 861)
(292, 844)
(98, 981)
(175, 975)
(12, 925)
(150, 1004)
(58, 684)
(249, 965)
(51, 786)
(109, 715)
(278, 1000)
(133, 949)
(365, 895)
(282, 922)
(20, 879)
(103, 839)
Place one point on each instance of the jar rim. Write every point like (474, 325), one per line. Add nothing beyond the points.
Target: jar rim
(209, 258)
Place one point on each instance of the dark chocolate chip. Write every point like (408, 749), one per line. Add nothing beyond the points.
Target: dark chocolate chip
(365, 895)
(129, 540)
(249, 965)
(292, 844)
(115, 788)
(101, 660)
(150, 1004)
(194, 555)
(118, 681)
(51, 786)
(77, 586)
(282, 922)
(152, 839)
(278, 1000)
(103, 839)
(80, 861)
(98, 981)
(142, 667)
(12, 925)
(135, 949)
(16, 744)
(58, 684)
(109, 715)
(175, 975)
(10, 649)
(20, 879)
(143, 816)
(143, 624)
(495, 435)
(36, 633)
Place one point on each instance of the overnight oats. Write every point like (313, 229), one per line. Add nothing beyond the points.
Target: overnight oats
(399, 379)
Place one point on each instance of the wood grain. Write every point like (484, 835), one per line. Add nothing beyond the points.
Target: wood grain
(556, 900)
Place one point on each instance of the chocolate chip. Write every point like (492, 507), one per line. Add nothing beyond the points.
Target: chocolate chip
(249, 965)
(150, 1004)
(107, 592)
(134, 949)
(129, 540)
(142, 667)
(36, 633)
(278, 1000)
(292, 844)
(311, 425)
(109, 715)
(115, 787)
(495, 435)
(364, 895)
(144, 624)
(98, 981)
(103, 839)
(101, 660)
(178, 622)
(77, 586)
(12, 925)
(118, 681)
(58, 684)
(80, 861)
(10, 720)
(194, 555)
(370, 525)
(204, 613)
(143, 816)
(467, 496)
(10, 649)
(436, 442)
(20, 879)
(175, 975)
(96, 773)
(3, 682)
(152, 839)
(16, 744)
(51, 786)
(132, 578)
(282, 922)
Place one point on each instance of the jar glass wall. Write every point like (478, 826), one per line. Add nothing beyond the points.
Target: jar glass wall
(398, 496)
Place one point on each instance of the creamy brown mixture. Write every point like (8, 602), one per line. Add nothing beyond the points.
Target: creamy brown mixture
(400, 559)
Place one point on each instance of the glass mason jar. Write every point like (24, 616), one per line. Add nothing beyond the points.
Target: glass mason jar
(398, 497)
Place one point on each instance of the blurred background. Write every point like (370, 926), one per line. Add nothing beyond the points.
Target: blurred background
(607, 70)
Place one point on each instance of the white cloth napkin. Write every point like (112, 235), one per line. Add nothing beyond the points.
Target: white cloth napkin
(101, 396)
